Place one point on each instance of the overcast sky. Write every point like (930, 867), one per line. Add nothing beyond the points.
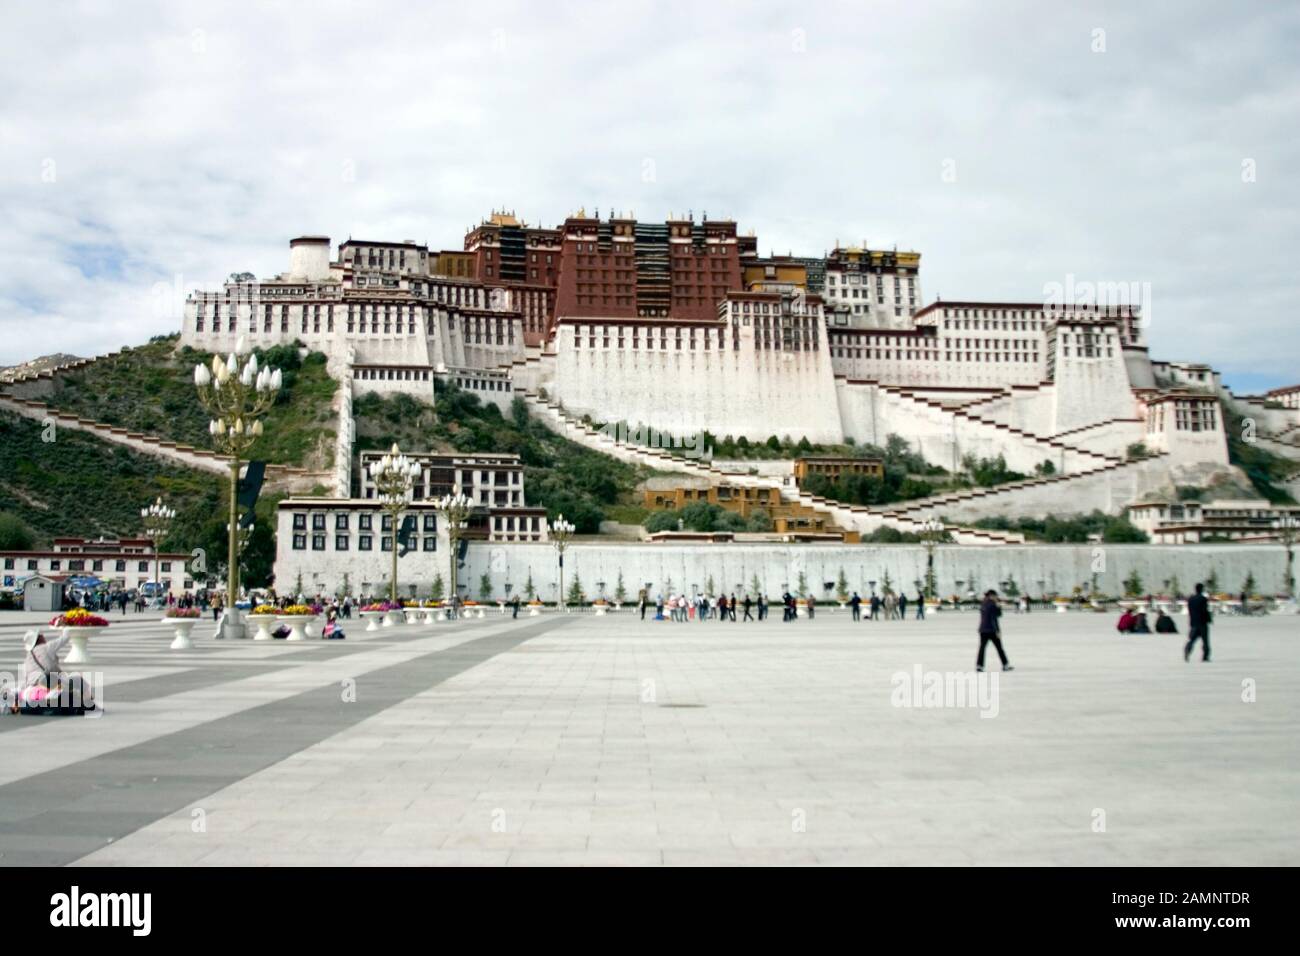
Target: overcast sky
(1015, 145)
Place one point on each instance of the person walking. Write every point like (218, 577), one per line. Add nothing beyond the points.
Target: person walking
(762, 607)
(875, 606)
(1198, 624)
(902, 606)
(749, 603)
(812, 607)
(722, 608)
(641, 602)
(991, 630)
(855, 604)
(920, 605)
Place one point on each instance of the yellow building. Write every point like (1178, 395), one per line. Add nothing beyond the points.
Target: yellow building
(834, 467)
(669, 494)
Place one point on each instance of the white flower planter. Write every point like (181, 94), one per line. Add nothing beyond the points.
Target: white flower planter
(482, 613)
(600, 609)
(297, 625)
(183, 626)
(80, 651)
(430, 615)
(392, 618)
(263, 624)
(1061, 607)
(413, 614)
(534, 610)
(372, 619)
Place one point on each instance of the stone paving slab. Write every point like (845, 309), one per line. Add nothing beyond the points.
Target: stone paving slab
(569, 744)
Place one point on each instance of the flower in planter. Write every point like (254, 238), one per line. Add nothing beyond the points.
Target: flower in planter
(183, 612)
(298, 610)
(78, 617)
(266, 609)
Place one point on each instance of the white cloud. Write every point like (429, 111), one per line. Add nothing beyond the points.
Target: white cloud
(192, 140)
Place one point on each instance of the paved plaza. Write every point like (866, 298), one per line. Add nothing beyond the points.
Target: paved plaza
(573, 739)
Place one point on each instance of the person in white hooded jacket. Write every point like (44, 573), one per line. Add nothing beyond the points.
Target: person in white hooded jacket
(41, 669)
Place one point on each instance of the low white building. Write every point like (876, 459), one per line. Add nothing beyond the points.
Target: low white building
(1191, 522)
(122, 563)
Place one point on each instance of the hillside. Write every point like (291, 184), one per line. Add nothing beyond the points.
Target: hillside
(44, 363)
(559, 475)
(150, 389)
(79, 485)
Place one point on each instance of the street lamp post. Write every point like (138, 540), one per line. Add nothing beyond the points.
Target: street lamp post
(932, 529)
(454, 509)
(393, 476)
(236, 396)
(561, 531)
(1287, 527)
(157, 519)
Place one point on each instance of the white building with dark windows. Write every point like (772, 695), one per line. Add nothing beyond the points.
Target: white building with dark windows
(122, 563)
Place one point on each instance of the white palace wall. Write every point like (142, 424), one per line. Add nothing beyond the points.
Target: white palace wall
(726, 390)
(688, 566)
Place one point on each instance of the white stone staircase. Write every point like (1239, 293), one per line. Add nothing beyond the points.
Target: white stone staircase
(853, 517)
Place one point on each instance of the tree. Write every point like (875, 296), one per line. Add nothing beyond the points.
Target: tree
(530, 591)
(842, 586)
(802, 586)
(886, 585)
(620, 592)
(439, 588)
(1133, 584)
(297, 585)
(14, 533)
(709, 589)
(485, 587)
(1249, 587)
(575, 595)
(1013, 589)
(1212, 582)
(755, 585)
(345, 589)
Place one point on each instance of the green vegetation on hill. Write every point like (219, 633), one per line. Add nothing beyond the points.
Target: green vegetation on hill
(559, 475)
(1265, 470)
(79, 485)
(702, 516)
(1073, 530)
(150, 389)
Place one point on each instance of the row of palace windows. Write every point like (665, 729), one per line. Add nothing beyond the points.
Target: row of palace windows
(365, 542)
(79, 564)
(365, 522)
(932, 355)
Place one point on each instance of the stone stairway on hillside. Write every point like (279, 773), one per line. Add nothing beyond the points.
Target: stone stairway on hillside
(1006, 493)
(854, 517)
(288, 477)
(1074, 459)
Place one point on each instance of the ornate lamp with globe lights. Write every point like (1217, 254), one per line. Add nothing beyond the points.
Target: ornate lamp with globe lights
(932, 530)
(157, 519)
(394, 475)
(561, 531)
(236, 393)
(454, 510)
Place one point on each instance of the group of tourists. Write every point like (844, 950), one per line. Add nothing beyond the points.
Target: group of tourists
(893, 607)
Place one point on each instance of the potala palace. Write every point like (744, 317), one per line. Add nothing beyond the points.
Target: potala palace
(684, 327)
